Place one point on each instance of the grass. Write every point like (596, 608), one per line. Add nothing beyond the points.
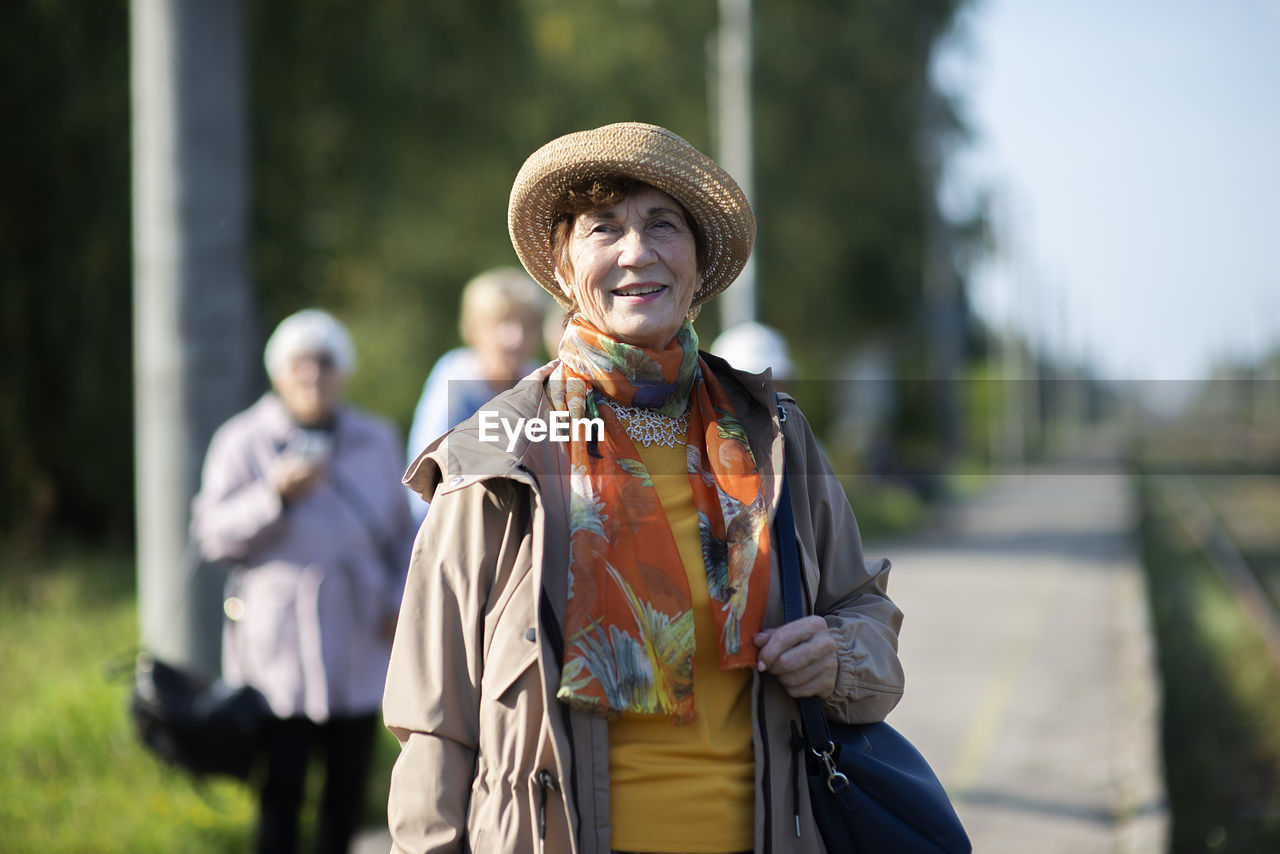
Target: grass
(1221, 742)
(75, 777)
(1248, 505)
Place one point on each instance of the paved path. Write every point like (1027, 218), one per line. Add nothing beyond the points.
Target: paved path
(375, 840)
(1030, 672)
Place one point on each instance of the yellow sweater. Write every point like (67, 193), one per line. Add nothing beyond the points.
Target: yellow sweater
(690, 787)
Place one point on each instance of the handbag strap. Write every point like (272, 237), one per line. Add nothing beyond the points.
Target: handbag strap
(789, 556)
(816, 733)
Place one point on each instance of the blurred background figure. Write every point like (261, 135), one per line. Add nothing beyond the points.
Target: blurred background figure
(501, 321)
(752, 347)
(300, 495)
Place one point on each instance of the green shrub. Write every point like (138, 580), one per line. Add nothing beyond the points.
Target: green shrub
(1221, 746)
(75, 777)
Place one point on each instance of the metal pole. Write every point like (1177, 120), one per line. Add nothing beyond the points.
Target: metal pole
(195, 342)
(1012, 451)
(733, 146)
(945, 321)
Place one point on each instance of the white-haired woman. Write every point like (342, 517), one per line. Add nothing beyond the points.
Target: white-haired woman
(300, 497)
(591, 655)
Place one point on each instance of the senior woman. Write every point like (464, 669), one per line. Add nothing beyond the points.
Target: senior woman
(591, 655)
(300, 495)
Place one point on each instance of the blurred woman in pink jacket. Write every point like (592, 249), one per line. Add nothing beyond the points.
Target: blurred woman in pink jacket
(301, 496)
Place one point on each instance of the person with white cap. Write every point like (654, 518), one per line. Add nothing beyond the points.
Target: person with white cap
(591, 655)
(300, 497)
(755, 348)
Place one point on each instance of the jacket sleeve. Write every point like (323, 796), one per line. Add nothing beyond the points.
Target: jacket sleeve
(237, 508)
(852, 592)
(431, 703)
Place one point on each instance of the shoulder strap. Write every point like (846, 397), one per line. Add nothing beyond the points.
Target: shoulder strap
(816, 733)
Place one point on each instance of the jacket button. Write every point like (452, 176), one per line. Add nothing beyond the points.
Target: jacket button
(457, 479)
(531, 634)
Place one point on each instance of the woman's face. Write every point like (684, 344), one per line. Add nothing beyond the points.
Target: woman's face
(310, 386)
(632, 268)
(505, 338)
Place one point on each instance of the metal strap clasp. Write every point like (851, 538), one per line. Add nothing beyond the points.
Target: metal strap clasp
(836, 781)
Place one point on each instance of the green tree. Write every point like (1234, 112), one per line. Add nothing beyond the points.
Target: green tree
(66, 456)
(384, 141)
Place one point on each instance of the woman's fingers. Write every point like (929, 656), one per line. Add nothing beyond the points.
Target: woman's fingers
(782, 641)
(802, 655)
(819, 685)
(294, 478)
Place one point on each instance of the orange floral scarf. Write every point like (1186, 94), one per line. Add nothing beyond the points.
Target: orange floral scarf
(629, 619)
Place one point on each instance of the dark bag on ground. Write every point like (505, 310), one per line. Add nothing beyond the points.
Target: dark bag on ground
(204, 728)
(870, 789)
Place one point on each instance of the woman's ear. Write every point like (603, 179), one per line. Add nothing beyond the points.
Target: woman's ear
(693, 309)
(564, 285)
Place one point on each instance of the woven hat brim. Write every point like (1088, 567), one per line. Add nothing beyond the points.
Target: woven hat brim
(647, 153)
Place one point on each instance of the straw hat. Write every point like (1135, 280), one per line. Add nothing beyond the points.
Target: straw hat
(645, 153)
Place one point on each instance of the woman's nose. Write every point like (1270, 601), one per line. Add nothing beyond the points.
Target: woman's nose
(307, 370)
(636, 249)
(511, 334)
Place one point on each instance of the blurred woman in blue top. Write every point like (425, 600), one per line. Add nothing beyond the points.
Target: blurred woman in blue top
(501, 324)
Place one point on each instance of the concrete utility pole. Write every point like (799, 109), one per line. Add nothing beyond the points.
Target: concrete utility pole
(195, 340)
(943, 306)
(733, 144)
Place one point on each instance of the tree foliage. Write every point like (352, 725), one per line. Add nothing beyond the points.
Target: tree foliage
(65, 403)
(385, 138)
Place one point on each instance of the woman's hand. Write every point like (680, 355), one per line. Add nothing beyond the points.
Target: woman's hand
(293, 477)
(802, 655)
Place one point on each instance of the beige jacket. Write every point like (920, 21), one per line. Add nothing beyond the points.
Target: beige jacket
(488, 762)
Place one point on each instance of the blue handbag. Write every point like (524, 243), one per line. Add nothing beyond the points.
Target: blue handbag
(870, 789)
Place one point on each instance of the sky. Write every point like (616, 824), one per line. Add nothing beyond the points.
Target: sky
(1131, 154)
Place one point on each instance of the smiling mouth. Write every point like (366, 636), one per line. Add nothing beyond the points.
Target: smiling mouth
(638, 290)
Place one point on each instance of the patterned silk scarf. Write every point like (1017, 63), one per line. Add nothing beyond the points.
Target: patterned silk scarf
(629, 619)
